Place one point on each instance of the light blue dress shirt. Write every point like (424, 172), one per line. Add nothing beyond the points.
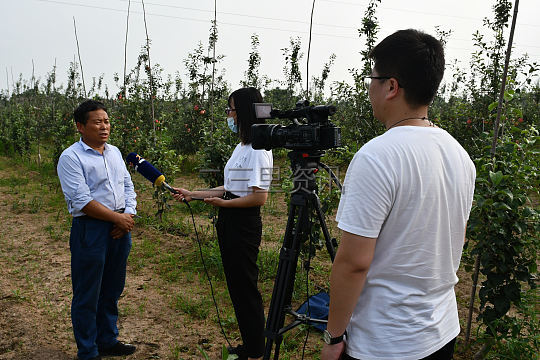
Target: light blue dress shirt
(87, 175)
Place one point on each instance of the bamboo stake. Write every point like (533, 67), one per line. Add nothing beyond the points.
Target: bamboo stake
(480, 354)
(471, 301)
(33, 80)
(125, 49)
(12, 79)
(503, 82)
(79, 52)
(33, 85)
(7, 81)
(213, 68)
(53, 102)
(149, 73)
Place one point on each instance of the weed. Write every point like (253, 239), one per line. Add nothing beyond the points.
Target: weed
(196, 308)
(175, 351)
(19, 296)
(17, 206)
(268, 263)
(125, 310)
(142, 306)
(13, 181)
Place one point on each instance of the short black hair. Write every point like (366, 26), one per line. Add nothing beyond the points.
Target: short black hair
(415, 59)
(244, 99)
(81, 112)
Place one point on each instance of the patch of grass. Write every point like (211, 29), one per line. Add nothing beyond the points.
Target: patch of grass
(17, 206)
(190, 262)
(14, 181)
(178, 228)
(53, 232)
(56, 202)
(212, 259)
(293, 342)
(35, 204)
(142, 306)
(195, 308)
(170, 266)
(149, 247)
(268, 263)
(144, 251)
(125, 310)
(19, 296)
(176, 350)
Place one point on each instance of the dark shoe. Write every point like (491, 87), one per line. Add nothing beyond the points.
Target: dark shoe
(119, 349)
(94, 358)
(238, 351)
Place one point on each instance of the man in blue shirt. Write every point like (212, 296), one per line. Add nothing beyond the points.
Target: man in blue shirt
(101, 198)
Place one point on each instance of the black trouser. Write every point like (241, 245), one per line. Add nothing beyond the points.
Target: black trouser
(239, 233)
(445, 353)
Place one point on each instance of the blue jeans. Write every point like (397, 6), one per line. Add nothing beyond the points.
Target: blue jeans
(98, 274)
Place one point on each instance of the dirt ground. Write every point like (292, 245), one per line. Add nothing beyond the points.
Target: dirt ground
(35, 293)
(35, 289)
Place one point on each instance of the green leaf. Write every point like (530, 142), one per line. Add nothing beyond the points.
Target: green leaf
(508, 96)
(501, 206)
(224, 352)
(496, 178)
(203, 353)
(493, 105)
(502, 305)
(512, 292)
(506, 193)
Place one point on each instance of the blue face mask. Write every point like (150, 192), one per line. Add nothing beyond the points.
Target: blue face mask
(232, 125)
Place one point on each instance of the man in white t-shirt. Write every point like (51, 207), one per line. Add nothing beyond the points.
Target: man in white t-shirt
(404, 208)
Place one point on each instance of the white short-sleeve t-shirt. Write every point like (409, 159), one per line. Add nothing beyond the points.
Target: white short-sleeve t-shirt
(248, 168)
(412, 189)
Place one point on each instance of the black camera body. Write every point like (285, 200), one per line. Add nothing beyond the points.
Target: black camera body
(317, 134)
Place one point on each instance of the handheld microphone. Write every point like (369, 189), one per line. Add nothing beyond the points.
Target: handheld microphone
(147, 170)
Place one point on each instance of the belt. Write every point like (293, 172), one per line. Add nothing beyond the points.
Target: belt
(229, 196)
(86, 217)
(255, 210)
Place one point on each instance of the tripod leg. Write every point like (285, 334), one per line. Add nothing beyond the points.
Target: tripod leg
(284, 283)
(329, 244)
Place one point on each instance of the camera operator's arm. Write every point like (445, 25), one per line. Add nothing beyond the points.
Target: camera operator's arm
(256, 198)
(349, 271)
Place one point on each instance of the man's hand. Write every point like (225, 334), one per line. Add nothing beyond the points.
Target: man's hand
(122, 225)
(332, 352)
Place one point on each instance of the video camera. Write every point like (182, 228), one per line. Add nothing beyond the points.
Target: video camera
(317, 134)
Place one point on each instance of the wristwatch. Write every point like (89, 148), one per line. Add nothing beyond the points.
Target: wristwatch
(332, 340)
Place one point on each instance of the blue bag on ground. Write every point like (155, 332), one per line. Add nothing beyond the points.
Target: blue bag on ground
(318, 309)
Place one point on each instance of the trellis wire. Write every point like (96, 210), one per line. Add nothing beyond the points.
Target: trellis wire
(79, 53)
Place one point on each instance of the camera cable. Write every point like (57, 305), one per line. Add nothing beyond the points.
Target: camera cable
(207, 274)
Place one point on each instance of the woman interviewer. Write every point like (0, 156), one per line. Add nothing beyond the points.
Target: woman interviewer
(248, 175)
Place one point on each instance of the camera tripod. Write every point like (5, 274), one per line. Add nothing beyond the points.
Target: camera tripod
(304, 199)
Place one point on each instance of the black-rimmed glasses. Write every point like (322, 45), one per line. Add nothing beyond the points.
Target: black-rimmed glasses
(229, 110)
